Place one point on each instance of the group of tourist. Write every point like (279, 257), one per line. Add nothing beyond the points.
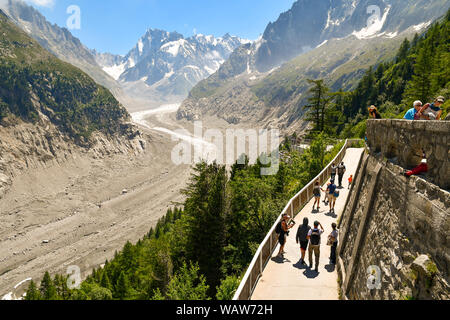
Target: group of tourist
(310, 238)
(429, 111)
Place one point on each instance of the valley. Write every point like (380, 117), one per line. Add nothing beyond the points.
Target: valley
(78, 207)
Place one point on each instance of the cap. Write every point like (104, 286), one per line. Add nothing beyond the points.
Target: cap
(440, 99)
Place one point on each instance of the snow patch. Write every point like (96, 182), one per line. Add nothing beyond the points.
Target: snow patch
(422, 26)
(173, 47)
(372, 30)
(323, 43)
(115, 71)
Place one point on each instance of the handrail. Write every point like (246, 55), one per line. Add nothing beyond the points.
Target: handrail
(250, 279)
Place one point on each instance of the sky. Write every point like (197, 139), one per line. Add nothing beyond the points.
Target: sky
(115, 26)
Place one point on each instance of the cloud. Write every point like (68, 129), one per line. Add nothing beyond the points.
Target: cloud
(42, 3)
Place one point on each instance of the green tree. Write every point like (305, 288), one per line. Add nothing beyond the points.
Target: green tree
(419, 88)
(122, 287)
(318, 104)
(227, 288)
(188, 284)
(205, 210)
(47, 288)
(32, 292)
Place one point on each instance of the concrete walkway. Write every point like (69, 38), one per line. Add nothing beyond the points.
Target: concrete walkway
(286, 279)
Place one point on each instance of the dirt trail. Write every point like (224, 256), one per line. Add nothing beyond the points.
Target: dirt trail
(80, 209)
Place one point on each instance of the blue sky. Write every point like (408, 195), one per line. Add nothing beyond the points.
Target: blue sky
(116, 25)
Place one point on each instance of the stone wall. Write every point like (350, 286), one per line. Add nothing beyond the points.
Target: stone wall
(399, 225)
(402, 141)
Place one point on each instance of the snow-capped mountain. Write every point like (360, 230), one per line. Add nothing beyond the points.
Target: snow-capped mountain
(310, 23)
(167, 64)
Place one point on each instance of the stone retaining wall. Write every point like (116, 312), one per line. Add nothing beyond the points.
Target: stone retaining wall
(399, 225)
(403, 141)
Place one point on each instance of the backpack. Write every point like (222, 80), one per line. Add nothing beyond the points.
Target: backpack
(315, 237)
(332, 188)
(278, 228)
(302, 233)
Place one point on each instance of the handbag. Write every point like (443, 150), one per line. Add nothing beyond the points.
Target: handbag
(330, 240)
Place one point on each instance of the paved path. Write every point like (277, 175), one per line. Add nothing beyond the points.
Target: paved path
(286, 279)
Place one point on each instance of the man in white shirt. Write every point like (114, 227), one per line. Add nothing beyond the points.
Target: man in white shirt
(314, 244)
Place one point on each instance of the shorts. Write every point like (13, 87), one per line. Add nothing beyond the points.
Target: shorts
(317, 196)
(282, 239)
(331, 197)
(304, 244)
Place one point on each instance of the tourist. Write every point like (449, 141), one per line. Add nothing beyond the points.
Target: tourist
(421, 168)
(432, 111)
(350, 181)
(332, 196)
(373, 113)
(314, 244)
(333, 242)
(283, 232)
(326, 200)
(302, 238)
(411, 114)
(316, 191)
(341, 170)
(333, 171)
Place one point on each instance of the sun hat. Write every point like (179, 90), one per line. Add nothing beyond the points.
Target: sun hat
(440, 99)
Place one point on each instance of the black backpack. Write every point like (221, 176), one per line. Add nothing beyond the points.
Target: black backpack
(278, 228)
(315, 237)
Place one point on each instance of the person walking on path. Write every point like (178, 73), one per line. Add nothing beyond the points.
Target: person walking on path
(283, 229)
(341, 170)
(317, 194)
(326, 200)
(332, 196)
(314, 236)
(333, 241)
(333, 172)
(350, 181)
(302, 238)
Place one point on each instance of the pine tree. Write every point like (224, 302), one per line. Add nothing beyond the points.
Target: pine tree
(205, 210)
(105, 282)
(32, 292)
(47, 288)
(122, 287)
(419, 88)
(318, 104)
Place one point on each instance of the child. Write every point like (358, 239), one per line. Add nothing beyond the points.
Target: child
(350, 180)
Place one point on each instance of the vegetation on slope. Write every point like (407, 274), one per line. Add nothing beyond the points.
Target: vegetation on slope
(202, 251)
(418, 72)
(33, 82)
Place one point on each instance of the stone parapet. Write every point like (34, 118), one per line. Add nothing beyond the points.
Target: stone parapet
(403, 141)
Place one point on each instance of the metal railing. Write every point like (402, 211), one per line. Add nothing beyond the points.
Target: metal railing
(265, 250)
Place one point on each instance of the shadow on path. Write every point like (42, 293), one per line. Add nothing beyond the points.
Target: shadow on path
(330, 267)
(280, 259)
(310, 274)
(300, 266)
